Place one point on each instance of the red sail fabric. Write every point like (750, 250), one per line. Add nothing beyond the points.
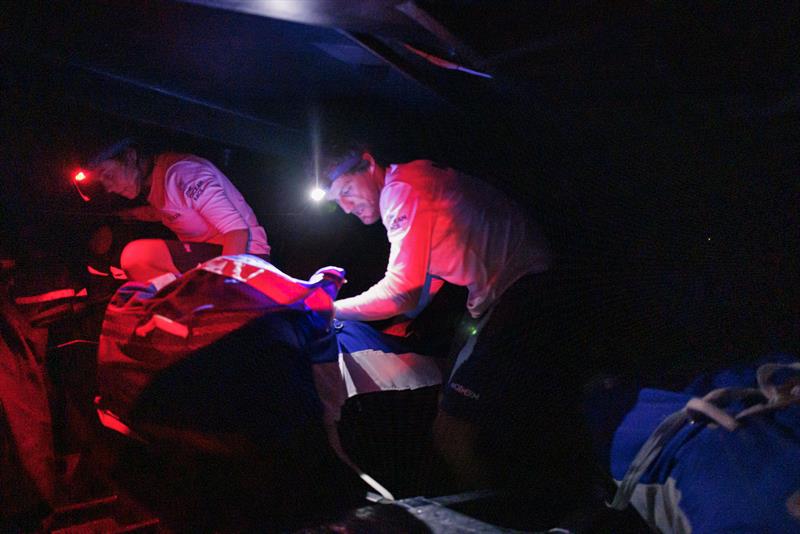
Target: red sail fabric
(27, 462)
(233, 337)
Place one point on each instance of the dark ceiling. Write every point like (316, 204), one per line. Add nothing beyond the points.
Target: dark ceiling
(249, 73)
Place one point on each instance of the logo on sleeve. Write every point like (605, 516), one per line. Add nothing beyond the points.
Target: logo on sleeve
(398, 222)
(196, 189)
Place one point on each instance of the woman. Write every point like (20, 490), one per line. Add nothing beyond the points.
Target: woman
(190, 196)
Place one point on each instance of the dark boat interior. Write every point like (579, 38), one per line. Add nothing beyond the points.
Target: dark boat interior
(656, 143)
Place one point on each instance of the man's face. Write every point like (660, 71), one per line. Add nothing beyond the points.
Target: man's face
(355, 193)
(118, 178)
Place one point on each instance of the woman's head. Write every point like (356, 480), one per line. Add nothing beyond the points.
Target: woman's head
(121, 168)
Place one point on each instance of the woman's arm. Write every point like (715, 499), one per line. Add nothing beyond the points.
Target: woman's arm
(140, 213)
(235, 242)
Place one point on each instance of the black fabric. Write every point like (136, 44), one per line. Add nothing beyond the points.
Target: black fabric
(253, 382)
(520, 358)
(520, 387)
(186, 255)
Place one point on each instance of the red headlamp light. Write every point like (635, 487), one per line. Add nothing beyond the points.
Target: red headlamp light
(81, 177)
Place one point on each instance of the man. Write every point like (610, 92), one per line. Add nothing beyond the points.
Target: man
(190, 196)
(446, 226)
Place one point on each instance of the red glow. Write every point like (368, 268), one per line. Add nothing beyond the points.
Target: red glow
(80, 176)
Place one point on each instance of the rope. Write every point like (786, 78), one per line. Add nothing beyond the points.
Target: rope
(710, 406)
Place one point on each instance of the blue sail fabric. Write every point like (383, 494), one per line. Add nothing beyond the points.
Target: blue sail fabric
(371, 360)
(709, 479)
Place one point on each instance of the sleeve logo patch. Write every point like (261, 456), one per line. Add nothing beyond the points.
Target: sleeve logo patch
(196, 189)
(398, 222)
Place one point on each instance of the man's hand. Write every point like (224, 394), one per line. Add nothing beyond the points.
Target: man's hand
(139, 213)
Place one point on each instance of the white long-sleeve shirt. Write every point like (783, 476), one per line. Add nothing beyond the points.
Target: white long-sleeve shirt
(200, 204)
(443, 224)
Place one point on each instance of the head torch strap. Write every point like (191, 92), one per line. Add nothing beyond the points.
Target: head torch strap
(344, 167)
(109, 152)
(83, 195)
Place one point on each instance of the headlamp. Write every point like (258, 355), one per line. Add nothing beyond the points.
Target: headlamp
(319, 192)
(78, 178)
(83, 178)
(347, 165)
